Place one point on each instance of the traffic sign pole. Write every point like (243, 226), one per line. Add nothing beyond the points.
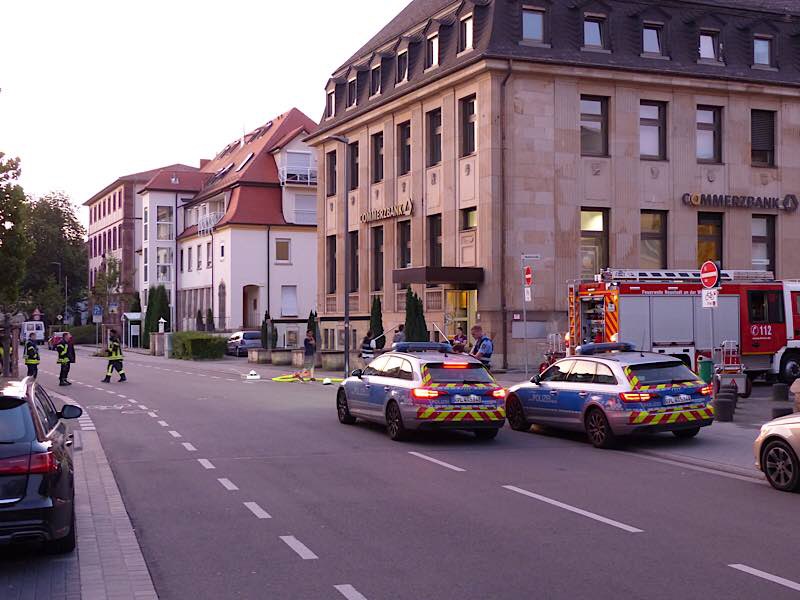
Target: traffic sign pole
(527, 296)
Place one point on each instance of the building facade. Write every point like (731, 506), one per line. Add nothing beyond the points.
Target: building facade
(585, 135)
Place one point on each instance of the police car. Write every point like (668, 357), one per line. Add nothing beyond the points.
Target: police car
(611, 390)
(423, 386)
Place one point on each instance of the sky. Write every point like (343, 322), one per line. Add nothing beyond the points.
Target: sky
(91, 90)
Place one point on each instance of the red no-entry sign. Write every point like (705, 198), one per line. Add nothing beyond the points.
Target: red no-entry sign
(527, 272)
(709, 275)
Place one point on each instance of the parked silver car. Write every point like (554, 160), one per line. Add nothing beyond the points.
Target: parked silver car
(777, 449)
(242, 341)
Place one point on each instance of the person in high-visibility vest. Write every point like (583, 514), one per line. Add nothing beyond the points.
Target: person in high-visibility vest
(32, 356)
(66, 356)
(114, 358)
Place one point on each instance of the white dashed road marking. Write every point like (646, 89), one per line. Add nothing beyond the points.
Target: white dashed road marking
(175, 434)
(768, 576)
(152, 414)
(349, 592)
(189, 447)
(578, 511)
(259, 512)
(163, 423)
(143, 407)
(299, 547)
(207, 464)
(228, 484)
(437, 462)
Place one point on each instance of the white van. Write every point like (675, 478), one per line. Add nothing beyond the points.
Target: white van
(32, 327)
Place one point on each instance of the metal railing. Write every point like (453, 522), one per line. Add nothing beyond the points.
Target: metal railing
(330, 304)
(298, 175)
(207, 222)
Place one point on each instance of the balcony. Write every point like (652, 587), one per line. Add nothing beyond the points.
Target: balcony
(305, 176)
(207, 222)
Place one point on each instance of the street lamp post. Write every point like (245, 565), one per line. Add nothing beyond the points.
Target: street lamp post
(346, 142)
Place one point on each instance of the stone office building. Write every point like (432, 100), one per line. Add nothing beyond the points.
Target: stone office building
(593, 133)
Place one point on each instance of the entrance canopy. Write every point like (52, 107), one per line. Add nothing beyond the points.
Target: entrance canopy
(461, 276)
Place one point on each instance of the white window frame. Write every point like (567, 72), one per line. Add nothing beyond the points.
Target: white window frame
(378, 91)
(145, 257)
(209, 254)
(330, 104)
(398, 79)
(284, 312)
(432, 39)
(145, 223)
(189, 259)
(169, 264)
(469, 42)
(171, 224)
(352, 102)
(287, 261)
(199, 257)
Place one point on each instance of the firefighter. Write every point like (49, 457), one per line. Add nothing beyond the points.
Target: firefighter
(66, 356)
(32, 356)
(114, 358)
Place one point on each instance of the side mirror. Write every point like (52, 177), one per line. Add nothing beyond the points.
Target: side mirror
(357, 373)
(536, 379)
(70, 411)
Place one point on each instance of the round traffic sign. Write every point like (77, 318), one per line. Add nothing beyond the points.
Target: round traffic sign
(528, 273)
(709, 274)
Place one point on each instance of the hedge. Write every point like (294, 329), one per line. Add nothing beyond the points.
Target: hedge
(85, 334)
(195, 345)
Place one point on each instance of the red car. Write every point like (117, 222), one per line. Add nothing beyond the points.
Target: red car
(55, 340)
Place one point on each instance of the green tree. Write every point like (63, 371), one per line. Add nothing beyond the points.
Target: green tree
(416, 329)
(311, 324)
(157, 308)
(209, 319)
(198, 321)
(376, 322)
(109, 283)
(265, 327)
(50, 301)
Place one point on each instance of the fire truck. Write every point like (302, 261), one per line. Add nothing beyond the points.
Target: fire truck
(662, 312)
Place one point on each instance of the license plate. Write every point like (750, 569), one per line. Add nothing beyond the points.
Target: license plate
(470, 399)
(682, 399)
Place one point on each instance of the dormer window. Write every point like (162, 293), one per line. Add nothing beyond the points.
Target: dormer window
(652, 42)
(762, 51)
(330, 104)
(709, 46)
(375, 81)
(465, 34)
(594, 32)
(432, 51)
(402, 66)
(533, 25)
(352, 92)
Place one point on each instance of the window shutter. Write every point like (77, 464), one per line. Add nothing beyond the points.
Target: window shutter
(762, 123)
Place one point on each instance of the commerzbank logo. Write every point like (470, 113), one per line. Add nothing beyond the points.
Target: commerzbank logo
(789, 203)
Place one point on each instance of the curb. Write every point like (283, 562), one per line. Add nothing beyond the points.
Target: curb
(706, 464)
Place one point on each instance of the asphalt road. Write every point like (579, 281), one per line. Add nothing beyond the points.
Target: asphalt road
(254, 490)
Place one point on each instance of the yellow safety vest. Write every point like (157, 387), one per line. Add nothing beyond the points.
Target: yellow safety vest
(62, 348)
(114, 351)
(31, 354)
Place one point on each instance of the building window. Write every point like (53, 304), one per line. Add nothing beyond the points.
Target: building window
(652, 39)
(145, 262)
(189, 259)
(114, 238)
(469, 218)
(432, 52)
(402, 66)
(145, 223)
(763, 257)
(465, 34)
(181, 258)
(222, 251)
(283, 251)
(434, 119)
(352, 92)
(375, 81)
(164, 221)
(209, 255)
(330, 251)
(330, 161)
(289, 301)
(709, 134)
(435, 241)
(352, 285)
(377, 259)
(330, 104)
(469, 122)
(653, 130)
(377, 157)
(404, 148)
(762, 51)
(164, 260)
(352, 159)
(709, 46)
(533, 25)
(404, 244)
(594, 126)
(305, 209)
(199, 257)
(653, 244)
(594, 32)
(594, 241)
(762, 130)
(709, 238)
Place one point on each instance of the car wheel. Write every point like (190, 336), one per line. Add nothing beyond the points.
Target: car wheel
(486, 434)
(685, 434)
(516, 415)
(63, 545)
(598, 429)
(781, 466)
(790, 369)
(343, 410)
(394, 423)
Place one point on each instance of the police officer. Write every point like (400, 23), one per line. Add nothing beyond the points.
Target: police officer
(66, 356)
(32, 356)
(483, 348)
(114, 358)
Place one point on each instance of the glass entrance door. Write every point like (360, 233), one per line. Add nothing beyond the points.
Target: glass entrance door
(461, 307)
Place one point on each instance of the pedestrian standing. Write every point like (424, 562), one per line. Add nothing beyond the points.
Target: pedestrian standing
(483, 347)
(114, 358)
(309, 353)
(66, 356)
(459, 339)
(399, 335)
(32, 356)
(367, 349)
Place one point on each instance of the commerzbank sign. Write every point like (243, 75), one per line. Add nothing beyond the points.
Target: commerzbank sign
(401, 209)
(789, 203)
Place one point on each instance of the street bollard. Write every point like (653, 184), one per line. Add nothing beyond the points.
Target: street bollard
(780, 392)
(723, 409)
(795, 389)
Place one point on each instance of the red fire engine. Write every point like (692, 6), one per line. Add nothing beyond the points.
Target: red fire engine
(662, 311)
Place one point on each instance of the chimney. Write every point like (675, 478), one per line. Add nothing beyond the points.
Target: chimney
(204, 162)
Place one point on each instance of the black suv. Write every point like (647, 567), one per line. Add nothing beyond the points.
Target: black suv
(37, 491)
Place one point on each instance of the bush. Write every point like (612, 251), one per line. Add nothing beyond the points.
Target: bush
(196, 345)
(85, 334)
